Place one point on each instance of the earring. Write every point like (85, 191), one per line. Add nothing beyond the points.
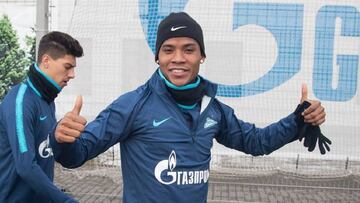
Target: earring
(157, 61)
(202, 61)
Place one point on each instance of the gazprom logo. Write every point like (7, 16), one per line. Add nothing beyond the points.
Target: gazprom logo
(45, 150)
(166, 174)
(334, 71)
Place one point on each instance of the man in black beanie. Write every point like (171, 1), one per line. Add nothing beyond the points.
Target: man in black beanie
(167, 126)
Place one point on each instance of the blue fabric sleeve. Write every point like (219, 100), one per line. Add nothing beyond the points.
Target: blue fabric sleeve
(20, 124)
(109, 127)
(248, 138)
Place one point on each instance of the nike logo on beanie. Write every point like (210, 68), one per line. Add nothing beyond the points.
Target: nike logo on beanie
(176, 28)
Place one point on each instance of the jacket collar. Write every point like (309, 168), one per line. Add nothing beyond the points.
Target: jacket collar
(159, 86)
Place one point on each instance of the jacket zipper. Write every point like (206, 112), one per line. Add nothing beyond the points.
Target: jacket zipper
(192, 129)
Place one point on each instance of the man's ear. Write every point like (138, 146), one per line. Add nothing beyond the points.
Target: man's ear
(45, 59)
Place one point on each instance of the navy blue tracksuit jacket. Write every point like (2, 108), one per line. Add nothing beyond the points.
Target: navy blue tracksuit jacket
(163, 158)
(26, 158)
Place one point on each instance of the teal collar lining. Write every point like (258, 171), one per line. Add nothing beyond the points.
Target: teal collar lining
(185, 87)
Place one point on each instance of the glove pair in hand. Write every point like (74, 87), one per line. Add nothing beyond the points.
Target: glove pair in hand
(310, 133)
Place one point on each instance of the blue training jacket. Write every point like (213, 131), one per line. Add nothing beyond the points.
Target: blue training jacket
(163, 159)
(26, 158)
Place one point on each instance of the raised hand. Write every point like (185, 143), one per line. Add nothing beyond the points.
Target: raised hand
(315, 113)
(72, 125)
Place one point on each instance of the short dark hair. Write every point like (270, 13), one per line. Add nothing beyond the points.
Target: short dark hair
(58, 44)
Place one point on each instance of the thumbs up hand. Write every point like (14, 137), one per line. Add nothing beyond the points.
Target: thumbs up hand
(78, 104)
(312, 115)
(315, 113)
(72, 125)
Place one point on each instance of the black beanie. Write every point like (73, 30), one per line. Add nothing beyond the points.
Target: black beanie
(179, 25)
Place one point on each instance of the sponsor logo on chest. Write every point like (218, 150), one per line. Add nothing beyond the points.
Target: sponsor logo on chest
(178, 177)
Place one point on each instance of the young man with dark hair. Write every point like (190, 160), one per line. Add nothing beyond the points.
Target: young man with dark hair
(167, 126)
(27, 114)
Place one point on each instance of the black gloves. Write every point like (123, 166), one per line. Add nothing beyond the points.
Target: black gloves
(312, 134)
